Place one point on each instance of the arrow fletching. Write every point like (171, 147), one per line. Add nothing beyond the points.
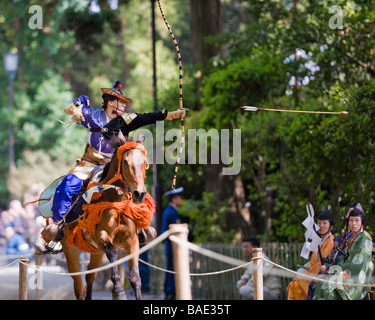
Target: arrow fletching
(249, 108)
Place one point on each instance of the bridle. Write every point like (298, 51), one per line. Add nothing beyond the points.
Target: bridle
(118, 175)
(119, 154)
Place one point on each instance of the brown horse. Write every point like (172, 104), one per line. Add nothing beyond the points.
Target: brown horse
(115, 230)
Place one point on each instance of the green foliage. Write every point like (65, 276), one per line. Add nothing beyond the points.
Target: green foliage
(86, 26)
(274, 55)
(250, 80)
(37, 119)
(207, 219)
(325, 160)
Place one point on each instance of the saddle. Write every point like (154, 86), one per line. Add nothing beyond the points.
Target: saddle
(47, 196)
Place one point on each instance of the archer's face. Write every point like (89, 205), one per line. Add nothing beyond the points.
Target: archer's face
(115, 108)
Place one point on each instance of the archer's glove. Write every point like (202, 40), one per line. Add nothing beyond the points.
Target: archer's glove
(76, 109)
(180, 113)
(76, 113)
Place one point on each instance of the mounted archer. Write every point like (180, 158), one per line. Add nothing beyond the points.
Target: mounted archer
(103, 124)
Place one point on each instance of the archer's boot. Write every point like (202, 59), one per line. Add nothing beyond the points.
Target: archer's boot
(53, 232)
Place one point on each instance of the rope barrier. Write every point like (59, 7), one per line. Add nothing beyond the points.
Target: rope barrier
(235, 261)
(208, 253)
(8, 265)
(302, 275)
(198, 274)
(11, 256)
(148, 246)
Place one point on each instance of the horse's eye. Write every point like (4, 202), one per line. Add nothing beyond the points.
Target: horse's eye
(125, 162)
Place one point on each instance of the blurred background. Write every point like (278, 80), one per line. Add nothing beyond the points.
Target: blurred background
(284, 54)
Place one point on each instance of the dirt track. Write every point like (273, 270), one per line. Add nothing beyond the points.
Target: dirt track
(54, 287)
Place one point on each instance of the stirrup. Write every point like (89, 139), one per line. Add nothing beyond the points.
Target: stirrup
(54, 232)
(53, 247)
(60, 231)
(50, 247)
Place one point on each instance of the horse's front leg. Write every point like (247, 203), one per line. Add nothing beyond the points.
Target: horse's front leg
(95, 262)
(131, 246)
(134, 278)
(118, 292)
(72, 261)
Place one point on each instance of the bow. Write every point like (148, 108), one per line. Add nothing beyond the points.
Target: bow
(180, 97)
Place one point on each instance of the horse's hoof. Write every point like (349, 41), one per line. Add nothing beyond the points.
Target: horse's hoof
(119, 295)
(146, 235)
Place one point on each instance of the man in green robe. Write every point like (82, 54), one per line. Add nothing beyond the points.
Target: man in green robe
(351, 267)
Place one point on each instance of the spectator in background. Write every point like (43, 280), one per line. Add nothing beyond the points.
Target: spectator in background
(5, 221)
(271, 283)
(30, 198)
(3, 214)
(32, 212)
(18, 220)
(171, 216)
(16, 245)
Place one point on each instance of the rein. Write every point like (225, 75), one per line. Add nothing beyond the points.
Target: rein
(141, 214)
(120, 152)
(98, 188)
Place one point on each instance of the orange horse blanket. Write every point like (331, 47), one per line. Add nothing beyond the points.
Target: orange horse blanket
(141, 214)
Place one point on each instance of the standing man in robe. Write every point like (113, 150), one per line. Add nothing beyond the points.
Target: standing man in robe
(171, 216)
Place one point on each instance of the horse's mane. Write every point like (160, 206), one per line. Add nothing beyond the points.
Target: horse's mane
(107, 166)
(114, 142)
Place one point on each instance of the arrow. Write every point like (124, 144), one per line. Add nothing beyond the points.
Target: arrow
(250, 108)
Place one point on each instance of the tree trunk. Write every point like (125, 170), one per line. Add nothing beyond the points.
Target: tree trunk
(205, 21)
(259, 178)
(231, 188)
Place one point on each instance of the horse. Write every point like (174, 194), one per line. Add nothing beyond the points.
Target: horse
(126, 171)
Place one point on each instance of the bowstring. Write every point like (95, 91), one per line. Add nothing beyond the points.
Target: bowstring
(180, 96)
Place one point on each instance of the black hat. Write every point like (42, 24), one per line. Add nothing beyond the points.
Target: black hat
(356, 210)
(326, 215)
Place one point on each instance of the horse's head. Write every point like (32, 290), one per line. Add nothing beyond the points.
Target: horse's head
(133, 165)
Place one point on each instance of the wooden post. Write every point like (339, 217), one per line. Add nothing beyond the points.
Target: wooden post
(22, 285)
(258, 273)
(181, 263)
(38, 276)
